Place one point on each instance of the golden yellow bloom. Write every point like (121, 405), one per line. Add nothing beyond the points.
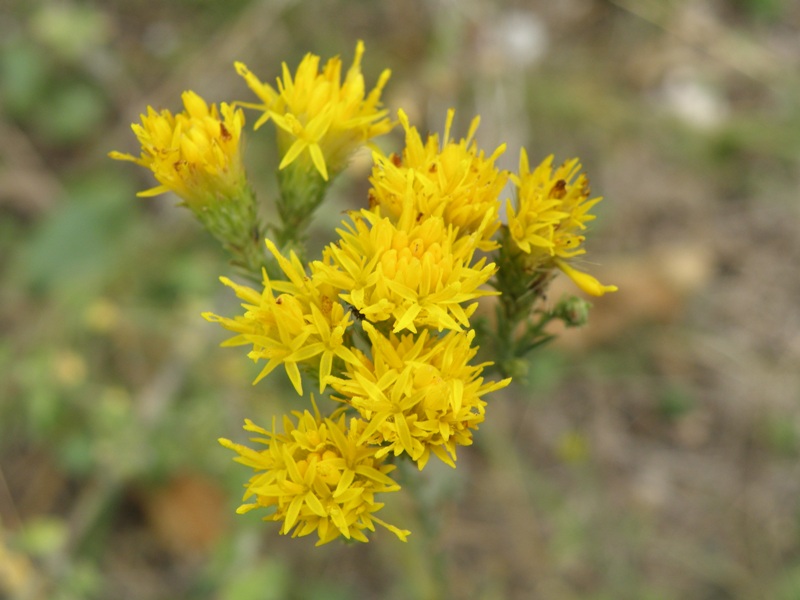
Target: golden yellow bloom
(452, 180)
(304, 325)
(321, 120)
(418, 394)
(551, 212)
(317, 477)
(195, 153)
(414, 273)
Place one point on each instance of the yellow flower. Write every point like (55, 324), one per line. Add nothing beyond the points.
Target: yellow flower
(418, 393)
(303, 325)
(317, 477)
(320, 118)
(414, 273)
(452, 180)
(550, 213)
(195, 153)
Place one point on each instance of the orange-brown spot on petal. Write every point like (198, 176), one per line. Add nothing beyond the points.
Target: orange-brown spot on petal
(559, 189)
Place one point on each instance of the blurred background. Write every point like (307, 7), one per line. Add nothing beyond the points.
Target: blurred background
(652, 455)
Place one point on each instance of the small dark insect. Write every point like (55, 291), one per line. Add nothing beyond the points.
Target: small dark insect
(355, 312)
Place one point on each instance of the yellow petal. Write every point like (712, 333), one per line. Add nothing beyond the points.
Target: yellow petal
(586, 282)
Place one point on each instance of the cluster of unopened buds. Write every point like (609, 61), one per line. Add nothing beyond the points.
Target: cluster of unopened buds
(383, 324)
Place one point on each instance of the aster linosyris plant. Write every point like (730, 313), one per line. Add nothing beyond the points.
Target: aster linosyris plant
(294, 322)
(411, 273)
(545, 233)
(419, 394)
(320, 120)
(450, 179)
(317, 477)
(385, 324)
(547, 224)
(196, 154)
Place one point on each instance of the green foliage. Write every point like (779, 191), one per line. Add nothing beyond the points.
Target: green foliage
(675, 402)
(268, 580)
(24, 71)
(766, 10)
(87, 232)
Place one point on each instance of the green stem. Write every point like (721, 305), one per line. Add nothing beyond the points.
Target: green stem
(302, 191)
(235, 224)
(521, 290)
(423, 556)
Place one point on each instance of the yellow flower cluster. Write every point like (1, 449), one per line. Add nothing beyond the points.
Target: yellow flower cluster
(317, 477)
(320, 118)
(304, 325)
(411, 272)
(452, 181)
(551, 212)
(382, 322)
(418, 394)
(195, 153)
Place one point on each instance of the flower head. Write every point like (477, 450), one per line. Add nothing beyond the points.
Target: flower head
(451, 180)
(412, 273)
(317, 477)
(303, 325)
(418, 394)
(321, 120)
(195, 153)
(550, 215)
